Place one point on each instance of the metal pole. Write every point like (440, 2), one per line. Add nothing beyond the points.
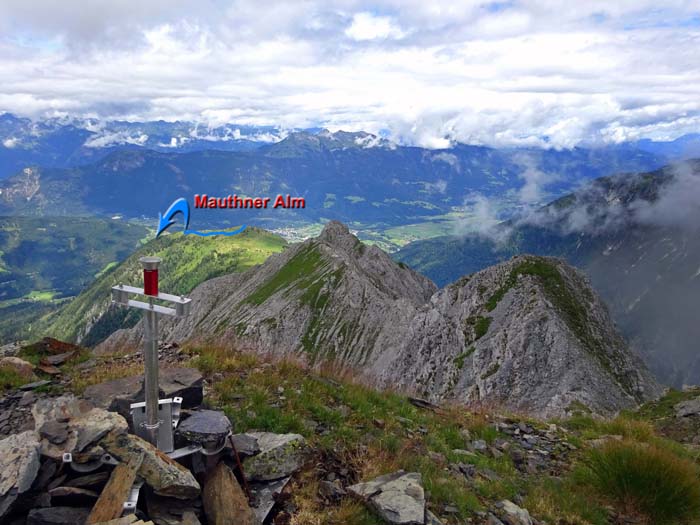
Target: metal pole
(150, 348)
(150, 358)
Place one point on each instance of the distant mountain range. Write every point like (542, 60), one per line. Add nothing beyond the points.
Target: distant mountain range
(62, 143)
(636, 237)
(354, 177)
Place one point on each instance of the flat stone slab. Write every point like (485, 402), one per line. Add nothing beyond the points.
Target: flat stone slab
(34, 385)
(264, 494)
(398, 498)
(205, 426)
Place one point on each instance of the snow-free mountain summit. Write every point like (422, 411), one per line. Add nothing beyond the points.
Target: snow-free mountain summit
(529, 334)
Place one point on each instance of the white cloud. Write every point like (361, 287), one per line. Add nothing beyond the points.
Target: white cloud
(116, 139)
(366, 26)
(10, 142)
(533, 72)
(533, 192)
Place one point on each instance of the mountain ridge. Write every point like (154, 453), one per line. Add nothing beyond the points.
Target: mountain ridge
(334, 299)
(633, 235)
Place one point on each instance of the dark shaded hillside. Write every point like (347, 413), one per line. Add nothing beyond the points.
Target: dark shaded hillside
(635, 237)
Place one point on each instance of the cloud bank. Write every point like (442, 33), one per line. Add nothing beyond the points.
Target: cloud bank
(528, 72)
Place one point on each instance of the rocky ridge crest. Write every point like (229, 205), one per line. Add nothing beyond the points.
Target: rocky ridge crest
(528, 334)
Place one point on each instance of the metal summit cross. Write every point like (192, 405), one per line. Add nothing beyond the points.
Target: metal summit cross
(154, 419)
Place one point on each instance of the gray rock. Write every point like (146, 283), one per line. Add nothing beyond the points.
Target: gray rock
(58, 516)
(263, 496)
(169, 511)
(19, 465)
(35, 385)
(331, 490)
(514, 515)
(280, 456)
(398, 498)
(687, 408)
(83, 425)
(10, 349)
(480, 445)
(55, 432)
(493, 520)
(166, 476)
(246, 444)
(205, 426)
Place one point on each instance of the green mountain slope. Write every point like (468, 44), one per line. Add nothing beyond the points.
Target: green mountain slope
(187, 261)
(45, 261)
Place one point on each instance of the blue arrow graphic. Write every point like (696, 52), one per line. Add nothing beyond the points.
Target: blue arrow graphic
(181, 205)
(165, 220)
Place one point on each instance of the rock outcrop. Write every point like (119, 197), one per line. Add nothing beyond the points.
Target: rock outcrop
(528, 334)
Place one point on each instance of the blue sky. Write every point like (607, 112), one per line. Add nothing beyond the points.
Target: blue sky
(427, 73)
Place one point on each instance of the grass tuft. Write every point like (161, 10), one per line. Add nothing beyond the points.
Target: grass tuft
(11, 378)
(647, 480)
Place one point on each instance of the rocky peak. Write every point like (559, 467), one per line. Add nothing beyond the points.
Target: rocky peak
(529, 333)
(337, 234)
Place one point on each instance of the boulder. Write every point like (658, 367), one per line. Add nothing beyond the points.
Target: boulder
(398, 498)
(186, 383)
(224, 501)
(687, 408)
(22, 367)
(166, 476)
(280, 456)
(511, 514)
(19, 465)
(61, 409)
(205, 427)
(117, 395)
(58, 516)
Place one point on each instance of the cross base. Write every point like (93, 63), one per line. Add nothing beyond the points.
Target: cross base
(168, 418)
